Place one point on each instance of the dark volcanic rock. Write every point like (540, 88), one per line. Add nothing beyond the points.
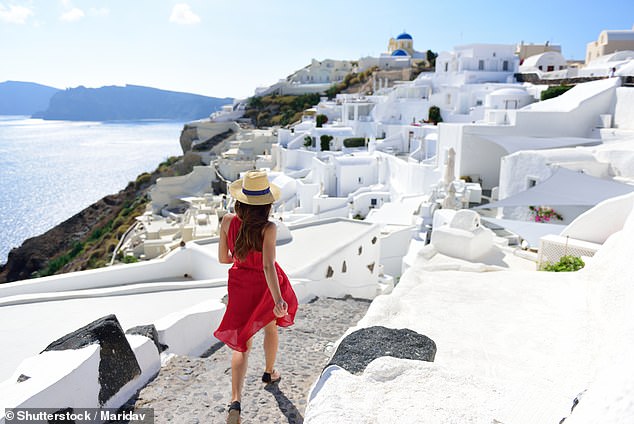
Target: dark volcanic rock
(117, 364)
(150, 332)
(360, 348)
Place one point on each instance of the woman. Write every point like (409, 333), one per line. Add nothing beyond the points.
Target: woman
(260, 295)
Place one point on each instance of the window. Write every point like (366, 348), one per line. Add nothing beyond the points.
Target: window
(550, 68)
(446, 66)
(531, 182)
(505, 65)
(372, 202)
(480, 65)
(479, 102)
(539, 67)
(360, 180)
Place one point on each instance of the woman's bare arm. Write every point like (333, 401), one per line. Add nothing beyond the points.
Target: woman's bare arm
(224, 256)
(268, 263)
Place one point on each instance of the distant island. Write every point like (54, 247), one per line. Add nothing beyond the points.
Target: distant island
(24, 98)
(111, 103)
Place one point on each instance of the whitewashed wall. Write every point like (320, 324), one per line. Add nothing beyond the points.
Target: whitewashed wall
(168, 190)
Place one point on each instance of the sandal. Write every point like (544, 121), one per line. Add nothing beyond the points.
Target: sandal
(268, 379)
(234, 413)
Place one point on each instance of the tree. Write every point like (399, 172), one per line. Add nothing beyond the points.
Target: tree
(321, 119)
(431, 58)
(325, 142)
(434, 115)
(255, 102)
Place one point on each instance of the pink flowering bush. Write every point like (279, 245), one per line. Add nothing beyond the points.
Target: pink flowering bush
(544, 214)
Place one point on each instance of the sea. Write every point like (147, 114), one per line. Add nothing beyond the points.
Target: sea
(50, 170)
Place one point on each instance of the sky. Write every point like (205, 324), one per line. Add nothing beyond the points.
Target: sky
(227, 48)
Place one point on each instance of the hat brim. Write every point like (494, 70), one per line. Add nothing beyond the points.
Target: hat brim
(235, 189)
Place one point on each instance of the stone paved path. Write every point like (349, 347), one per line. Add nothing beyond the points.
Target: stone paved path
(198, 390)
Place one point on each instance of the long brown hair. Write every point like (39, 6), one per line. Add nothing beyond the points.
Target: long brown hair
(250, 235)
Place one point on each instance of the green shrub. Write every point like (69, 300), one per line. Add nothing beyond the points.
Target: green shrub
(169, 161)
(354, 142)
(118, 221)
(129, 259)
(566, 264)
(325, 142)
(100, 232)
(333, 91)
(142, 179)
(554, 91)
(320, 120)
(55, 265)
(308, 141)
(76, 249)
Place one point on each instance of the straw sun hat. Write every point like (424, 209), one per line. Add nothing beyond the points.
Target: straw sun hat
(254, 189)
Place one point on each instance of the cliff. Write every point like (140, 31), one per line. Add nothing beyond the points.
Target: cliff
(129, 103)
(24, 98)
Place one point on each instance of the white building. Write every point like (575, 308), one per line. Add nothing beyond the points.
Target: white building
(567, 120)
(610, 41)
(544, 62)
(477, 63)
(322, 71)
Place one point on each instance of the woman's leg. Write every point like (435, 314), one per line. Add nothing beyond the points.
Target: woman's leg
(239, 363)
(271, 341)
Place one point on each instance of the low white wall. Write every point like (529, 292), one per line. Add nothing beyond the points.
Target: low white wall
(624, 108)
(175, 265)
(328, 276)
(169, 190)
(394, 247)
(363, 201)
(67, 378)
(409, 177)
(190, 331)
(323, 204)
(70, 378)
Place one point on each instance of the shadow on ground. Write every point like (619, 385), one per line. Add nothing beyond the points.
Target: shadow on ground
(287, 407)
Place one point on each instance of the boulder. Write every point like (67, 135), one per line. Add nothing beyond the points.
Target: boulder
(150, 332)
(361, 347)
(117, 365)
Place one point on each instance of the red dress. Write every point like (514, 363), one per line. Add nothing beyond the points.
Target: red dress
(250, 305)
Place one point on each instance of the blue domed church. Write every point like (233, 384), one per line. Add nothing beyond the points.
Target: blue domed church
(400, 54)
(402, 45)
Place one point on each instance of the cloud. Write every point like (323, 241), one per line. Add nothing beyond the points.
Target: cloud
(15, 14)
(72, 15)
(182, 14)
